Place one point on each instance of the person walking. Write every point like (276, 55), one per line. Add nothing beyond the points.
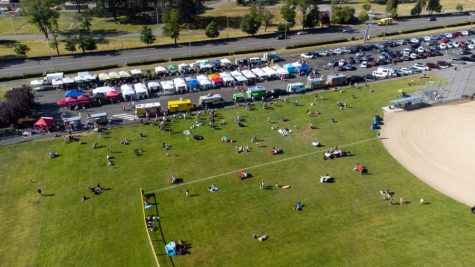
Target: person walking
(261, 185)
(187, 193)
(421, 201)
(39, 192)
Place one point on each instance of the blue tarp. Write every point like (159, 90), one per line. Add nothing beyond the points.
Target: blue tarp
(170, 249)
(192, 83)
(304, 67)
(73, 93)
(290, 68)
(216, 63)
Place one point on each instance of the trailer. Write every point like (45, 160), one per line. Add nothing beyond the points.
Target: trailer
(315, 83)
(181, 105)
(256, 92)
(336, 79)
(295, 88)
(147, 109)
(210, 100)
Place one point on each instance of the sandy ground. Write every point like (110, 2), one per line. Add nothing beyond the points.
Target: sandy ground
(436, 144)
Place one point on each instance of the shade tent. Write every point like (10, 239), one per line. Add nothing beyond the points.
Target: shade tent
(57, 82)
(228, 80)
(183, 66)
(85, 76)
(44, 122)
(73, 93)
(225, 62)
(84, 99)
(71, 100)
(161, 70)
(61, 102)
(290, 68)
(124, 74)
(102, 90)
(240, 79)
(216, 79)
(304, 67)
(112, 94)
(114, 75)
(180, 84)
(260, 73)
(54, 76)
(168, 87)
(270, 72)
(216, 63)
(281, 71)
(192, 83)
(153, 86)
(136, 72)
(127, 92)
(141, 90)
(248, 74)
(172, 68)
(104, 77)
(204, 81)
(36, 82)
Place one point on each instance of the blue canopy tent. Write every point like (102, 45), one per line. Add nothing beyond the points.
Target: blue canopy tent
(216, 63)
(74, 93)
(290, 68)
(304, 69)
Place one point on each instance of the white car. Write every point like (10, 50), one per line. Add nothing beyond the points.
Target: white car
(302, 32)
(341, 63)
(308, 55)
(364, 64)
(448, 35)
(471, 46)
(421, 66)
(443, 46)
(450, 45)
(420, 49)
(427, 38)
(413, 56)
(414, 40)
(456, 44)
(405, 71)
(465, 33)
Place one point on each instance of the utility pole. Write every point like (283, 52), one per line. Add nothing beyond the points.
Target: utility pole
(120, 35)
(11, 22)
(365, 37)
(189, 42)
(50, 55)
(285, 33)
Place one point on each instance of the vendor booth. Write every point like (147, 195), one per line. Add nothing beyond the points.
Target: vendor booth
(192, 84)
(153, 86)
(250, 76)
(168, 87)
(216, 80)
(180, 85)
(256, 92)
(141, 90)
(204, 81)
(161, 71)
(240, 79)
(228, 80)
(44, 123)
(128, 92)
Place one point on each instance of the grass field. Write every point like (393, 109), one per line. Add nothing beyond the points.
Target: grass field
(342, 224)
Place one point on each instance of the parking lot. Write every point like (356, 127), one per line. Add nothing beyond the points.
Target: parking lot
(389, 55)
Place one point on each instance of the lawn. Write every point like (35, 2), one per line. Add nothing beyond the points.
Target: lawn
(342, 224)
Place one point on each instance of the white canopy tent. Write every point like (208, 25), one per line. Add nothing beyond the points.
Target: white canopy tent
(204, 81)
(280, 71)
(161, 70)
(239, 77)
(249, 75)
(54, 76)
(124, 74)
(104, 77)
(270, 72)
(102, 90)
(168, 88)
(228, 79)
(113, 75)
(68, 80)
(141, 90)
(225, 62)
(260, 73)
(180, 84)
(153, 85)
(136, 72)
(85, 76)
(57, 82)
(127, 92)
(183, 67)
(36, 82)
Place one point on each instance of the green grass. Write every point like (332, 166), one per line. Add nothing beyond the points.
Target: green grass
(342, 224)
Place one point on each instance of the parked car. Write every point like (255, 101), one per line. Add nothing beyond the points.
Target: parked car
(457, 61)
(442, 64)
(349, 67)
(347, 30)
(431, 65)
(302, 32)
(364, 64)
(308, 55)
(355, 79)
(443, 46)
(421, 66)
(465, 33)
(275, 93)
(280, 37)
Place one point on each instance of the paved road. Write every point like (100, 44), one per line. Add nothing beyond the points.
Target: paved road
(121, 57)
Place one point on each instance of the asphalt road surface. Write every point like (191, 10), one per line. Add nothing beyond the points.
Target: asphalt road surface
(48, 99)
(18, 67)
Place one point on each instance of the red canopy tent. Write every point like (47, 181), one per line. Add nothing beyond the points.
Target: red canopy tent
(61, 102)
(84, 99)
(44, 122)
(112, 94)
(71, 100)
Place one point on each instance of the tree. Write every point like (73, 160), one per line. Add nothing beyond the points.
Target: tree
(459, 7)
(324, 19)
(21, 49)
(251, 22)
(281, 27)
(87, 44)
(146, 35)
(78, 3)
(366, 6)
(172, 25)
(288, 13)
(212, 30)
(434, 6)
(363, 16)
(393, 13)
(266, 17)
(311, 19)
(417, 9)
(343, 15)
(391, 4)
(19, 104)
(70, 44)
(41, 13)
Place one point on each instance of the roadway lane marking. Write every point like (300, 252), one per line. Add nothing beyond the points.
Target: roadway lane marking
(257, 166)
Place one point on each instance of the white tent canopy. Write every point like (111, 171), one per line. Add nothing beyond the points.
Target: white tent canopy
(57, 82)
(183, 66)
(36, 82)
(280, 70)
(113, 75)
(85, 76)
(53, 76)
(260, 73)
(136, 72)
(227, 78)
(68, 80)
(180, 84)
(248, 74)
(127, 91)
(204, 81)
(124, 74)
(102, 90)
(141, 89)
(239, 77)
(104, 77)
(225, 62)
(168, 87)
(153, 85)
(161, 70)
(269, 71)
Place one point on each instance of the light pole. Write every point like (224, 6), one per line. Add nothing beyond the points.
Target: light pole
(11, 22)
(189, 41)
(471, 18)
(120, 35)
(285, 33)
(50, 55)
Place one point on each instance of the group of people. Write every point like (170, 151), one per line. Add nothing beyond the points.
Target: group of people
(97, 190)
(276, 151)
(151, 220)
(335, 152)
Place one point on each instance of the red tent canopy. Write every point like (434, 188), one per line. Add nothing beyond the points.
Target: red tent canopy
(84, 99)
(71, 100)
(44, 122)
(61, 102)
(112, 94)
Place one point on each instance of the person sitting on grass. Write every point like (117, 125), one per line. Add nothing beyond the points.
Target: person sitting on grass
(299, 206)
(212, 188)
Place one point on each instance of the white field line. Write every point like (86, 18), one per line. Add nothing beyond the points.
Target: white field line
(256, 166)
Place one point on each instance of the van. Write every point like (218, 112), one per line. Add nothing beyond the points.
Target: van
(295, 88)
(255, 60)
(336, 79)
(379, 74)
(210, 100)
(271, 56)
(180, 105)
(385, 21)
